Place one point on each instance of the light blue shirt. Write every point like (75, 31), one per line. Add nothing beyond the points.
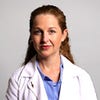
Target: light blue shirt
(52, 89)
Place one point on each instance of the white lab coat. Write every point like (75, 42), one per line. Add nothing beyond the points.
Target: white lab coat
(26, 83)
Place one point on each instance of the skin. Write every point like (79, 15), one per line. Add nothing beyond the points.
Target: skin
(47, 37)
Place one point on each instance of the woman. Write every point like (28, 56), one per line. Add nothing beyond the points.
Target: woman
(48, 72)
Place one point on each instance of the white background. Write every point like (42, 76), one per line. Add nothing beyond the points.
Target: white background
(83, 18)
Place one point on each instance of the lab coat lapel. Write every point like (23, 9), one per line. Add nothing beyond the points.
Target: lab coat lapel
(68, 87)
(36, 85)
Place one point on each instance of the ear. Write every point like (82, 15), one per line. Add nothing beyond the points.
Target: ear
(64, 34)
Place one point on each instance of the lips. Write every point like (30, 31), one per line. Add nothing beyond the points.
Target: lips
(45, 47)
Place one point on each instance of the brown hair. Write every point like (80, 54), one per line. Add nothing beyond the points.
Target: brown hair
(49, 9)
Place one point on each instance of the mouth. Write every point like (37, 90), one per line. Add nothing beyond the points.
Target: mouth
(45, 47)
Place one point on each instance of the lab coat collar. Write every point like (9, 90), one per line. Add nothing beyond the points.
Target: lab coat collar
(69, 74)
(30, 67)
(35, 83)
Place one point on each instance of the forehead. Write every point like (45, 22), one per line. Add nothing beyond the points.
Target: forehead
(45, 18)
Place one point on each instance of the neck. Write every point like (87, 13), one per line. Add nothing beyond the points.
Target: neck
(50, 67)
(49, 62)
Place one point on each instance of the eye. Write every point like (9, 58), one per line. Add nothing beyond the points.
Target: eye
(37, 32)
(52, 31)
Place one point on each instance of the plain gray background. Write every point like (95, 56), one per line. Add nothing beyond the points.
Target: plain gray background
(83, 18)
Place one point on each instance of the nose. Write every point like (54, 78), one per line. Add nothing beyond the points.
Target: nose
(45, 37)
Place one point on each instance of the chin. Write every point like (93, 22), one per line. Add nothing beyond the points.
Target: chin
(44, 55)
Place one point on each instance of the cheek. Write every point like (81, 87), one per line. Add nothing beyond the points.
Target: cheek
(57, 40)
(35, 41)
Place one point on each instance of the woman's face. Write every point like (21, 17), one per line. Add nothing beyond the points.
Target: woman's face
(47, 35)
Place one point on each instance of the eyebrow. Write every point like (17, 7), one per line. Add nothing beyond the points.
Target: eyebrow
(52, 27)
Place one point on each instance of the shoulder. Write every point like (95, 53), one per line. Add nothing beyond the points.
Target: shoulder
(79, 77)
(25, 71)
(73, 69)
(76, 72)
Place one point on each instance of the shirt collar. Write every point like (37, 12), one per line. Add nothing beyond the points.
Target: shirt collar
(44, 77)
